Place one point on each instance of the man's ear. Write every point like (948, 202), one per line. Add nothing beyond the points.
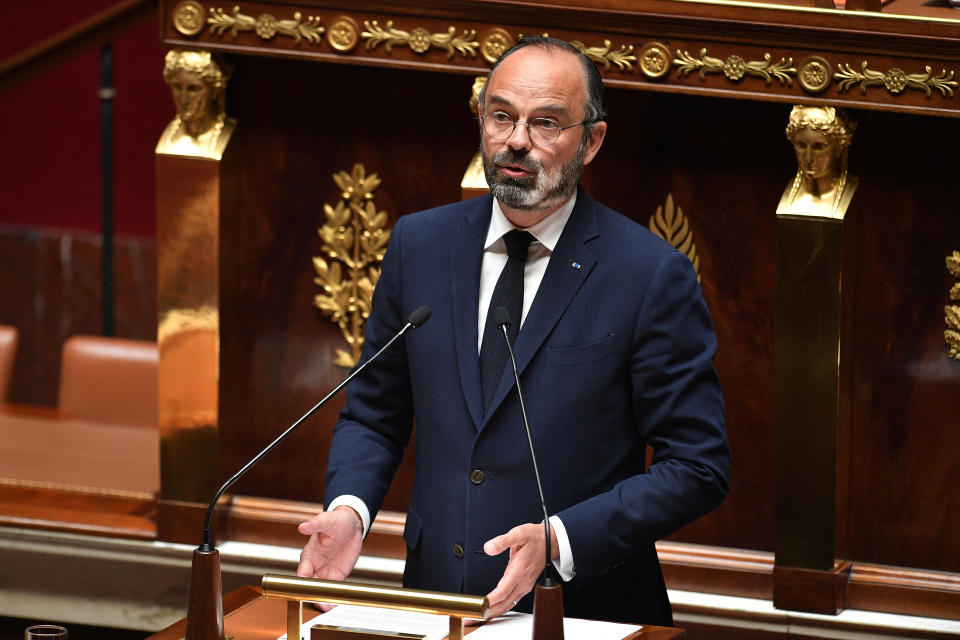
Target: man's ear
(597, 133)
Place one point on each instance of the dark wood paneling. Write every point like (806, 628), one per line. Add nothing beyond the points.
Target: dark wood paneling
(298, 124)
(905, 452)
(50, 290)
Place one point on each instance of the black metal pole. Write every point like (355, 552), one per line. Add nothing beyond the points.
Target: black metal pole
(106, 94)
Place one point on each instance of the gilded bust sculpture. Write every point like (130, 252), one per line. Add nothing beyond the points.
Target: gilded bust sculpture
(197, 84)
(473, 179)
(822, 187)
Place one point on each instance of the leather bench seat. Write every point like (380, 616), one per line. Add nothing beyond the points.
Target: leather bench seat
(104, 434)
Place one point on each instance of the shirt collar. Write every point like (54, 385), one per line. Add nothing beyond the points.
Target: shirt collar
(546, 232)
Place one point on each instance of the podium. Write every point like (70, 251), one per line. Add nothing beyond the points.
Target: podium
(248, 615)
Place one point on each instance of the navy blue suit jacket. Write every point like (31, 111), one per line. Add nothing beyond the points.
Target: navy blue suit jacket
(616, 353)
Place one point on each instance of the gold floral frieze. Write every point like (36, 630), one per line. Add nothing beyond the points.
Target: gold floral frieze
(354, 242)
(188, 17)
(669, 223)
(952, 334)
(494, 42)
(343, 34)
(814, 74)
(655, 60)
(623, 57)
(265, 25)
(735, 68)
(419, 40)
(895, 80)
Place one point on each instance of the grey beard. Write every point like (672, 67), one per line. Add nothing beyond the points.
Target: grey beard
(541, 191)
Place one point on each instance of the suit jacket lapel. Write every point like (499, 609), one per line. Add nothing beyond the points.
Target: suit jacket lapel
(466, 254)
(570, 264)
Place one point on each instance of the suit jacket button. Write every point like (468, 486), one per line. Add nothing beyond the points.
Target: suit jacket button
(458, 550)
(476, 476)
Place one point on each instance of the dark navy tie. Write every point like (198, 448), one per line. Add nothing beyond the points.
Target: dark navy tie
(509, 294)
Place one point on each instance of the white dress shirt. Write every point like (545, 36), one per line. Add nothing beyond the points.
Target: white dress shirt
(546, 234)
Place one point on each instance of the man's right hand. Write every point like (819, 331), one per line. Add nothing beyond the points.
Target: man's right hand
(334, 544)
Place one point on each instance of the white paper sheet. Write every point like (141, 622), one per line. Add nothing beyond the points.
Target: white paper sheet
(519, 626)
(432, 627)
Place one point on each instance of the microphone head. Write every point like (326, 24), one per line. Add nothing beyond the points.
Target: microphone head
(501, 316)
(419, 316)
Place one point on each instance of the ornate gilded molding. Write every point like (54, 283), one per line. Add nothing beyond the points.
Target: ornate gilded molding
(420, 40)
(952, 334)
(896, 81)
(670, 224)
(354, 241)
(494, 42)
(814, 74)
(188, 18)
(735, 67)
(605, 55)
(655, 60)
(343, 34)
(265, 25)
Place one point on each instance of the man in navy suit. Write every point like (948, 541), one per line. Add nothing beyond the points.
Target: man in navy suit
(615, 352)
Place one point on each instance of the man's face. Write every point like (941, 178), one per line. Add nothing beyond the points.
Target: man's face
(816, 154)
(536, 83)
(190, 95)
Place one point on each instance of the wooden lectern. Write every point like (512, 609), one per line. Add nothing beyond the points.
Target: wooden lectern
(249, 615)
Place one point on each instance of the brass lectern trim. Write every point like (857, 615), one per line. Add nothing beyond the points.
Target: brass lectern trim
(734, 68)
(266, 26)
(952, 334)
(670, 224)
(354, 241)
(420, 40)
(372, 595)
(895, 80)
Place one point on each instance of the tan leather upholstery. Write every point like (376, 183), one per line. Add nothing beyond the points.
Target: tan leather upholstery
(109, 380)
(8, 351)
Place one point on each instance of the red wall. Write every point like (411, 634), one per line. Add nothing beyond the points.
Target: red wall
(50, 164)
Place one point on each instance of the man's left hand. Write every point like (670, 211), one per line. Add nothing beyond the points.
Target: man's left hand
(526, 545)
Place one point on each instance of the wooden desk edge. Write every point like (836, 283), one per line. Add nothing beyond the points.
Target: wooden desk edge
(239, 598)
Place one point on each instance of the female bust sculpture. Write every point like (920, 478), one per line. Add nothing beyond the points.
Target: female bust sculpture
(822, 186)
(197, 83)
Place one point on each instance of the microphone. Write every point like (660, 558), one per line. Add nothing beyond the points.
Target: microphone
(205, 618)
(548, 597)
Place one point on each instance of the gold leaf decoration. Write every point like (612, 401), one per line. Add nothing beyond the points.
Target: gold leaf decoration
(734, 68)
(670, 224)
(953, 266)
(896, 81)
(623, 57)
(419, 40)
(952, 334)
(354, 242)
(266, 25)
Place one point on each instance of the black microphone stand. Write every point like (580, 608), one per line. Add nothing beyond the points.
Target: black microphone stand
(548, 594)
(205, 598)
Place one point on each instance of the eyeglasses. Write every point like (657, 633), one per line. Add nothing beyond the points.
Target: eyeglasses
(543, 132)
